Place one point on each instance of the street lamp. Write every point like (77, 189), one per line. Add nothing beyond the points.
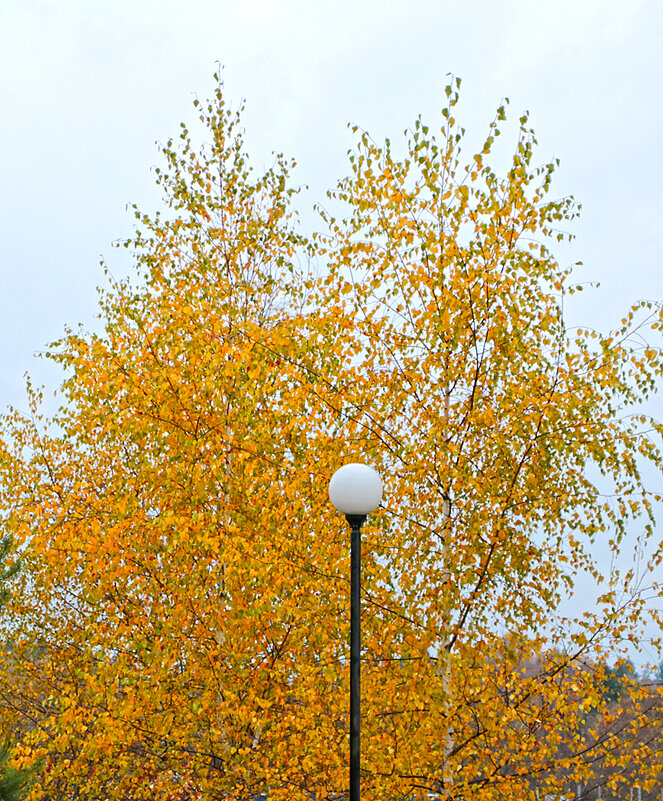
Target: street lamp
(355, 490)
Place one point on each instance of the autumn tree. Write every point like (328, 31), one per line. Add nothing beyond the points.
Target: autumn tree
(182, 625)
(13, 781)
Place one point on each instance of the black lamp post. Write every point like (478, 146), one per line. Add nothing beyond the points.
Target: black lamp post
(355, 490)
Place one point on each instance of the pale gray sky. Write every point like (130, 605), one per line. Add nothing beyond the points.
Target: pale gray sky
(87, 88)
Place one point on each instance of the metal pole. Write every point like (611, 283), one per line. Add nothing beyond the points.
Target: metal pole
(355, 522)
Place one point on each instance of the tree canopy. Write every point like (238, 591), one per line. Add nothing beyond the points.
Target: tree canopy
(181, 629)
(13, 781)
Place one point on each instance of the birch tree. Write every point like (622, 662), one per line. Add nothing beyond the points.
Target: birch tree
(182, 623)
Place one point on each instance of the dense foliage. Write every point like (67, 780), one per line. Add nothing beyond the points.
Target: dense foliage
(14, 781)
(182, 625)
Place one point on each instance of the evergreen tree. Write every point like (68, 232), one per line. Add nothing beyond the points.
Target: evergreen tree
(616, 679)
(6, 573)
(13, 781)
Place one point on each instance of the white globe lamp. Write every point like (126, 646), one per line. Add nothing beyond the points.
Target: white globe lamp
(355, 489)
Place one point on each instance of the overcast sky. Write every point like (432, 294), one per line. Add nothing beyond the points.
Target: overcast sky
(88, 88)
